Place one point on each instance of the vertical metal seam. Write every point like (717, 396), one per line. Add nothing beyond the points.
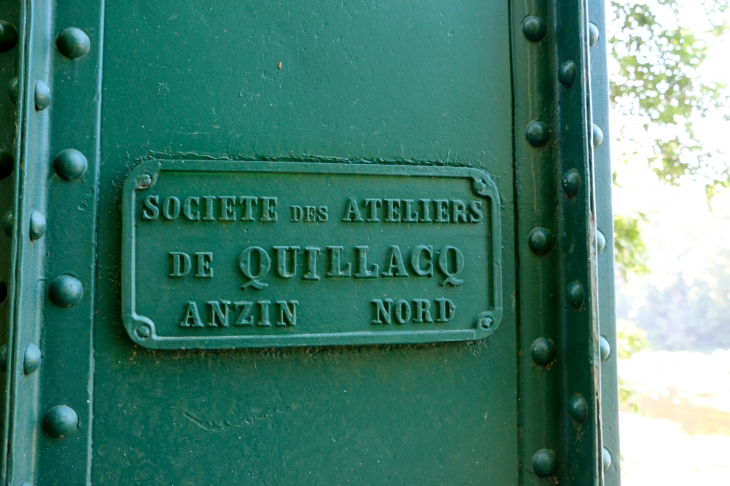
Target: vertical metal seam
(95, 237)
(25, 26)
(580, 374)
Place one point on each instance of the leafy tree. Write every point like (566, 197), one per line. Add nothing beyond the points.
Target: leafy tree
(658, 84)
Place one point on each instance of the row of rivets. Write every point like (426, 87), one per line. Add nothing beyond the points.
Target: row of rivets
(534, 29)
(605, 346)
(66, 291)
(541, 240)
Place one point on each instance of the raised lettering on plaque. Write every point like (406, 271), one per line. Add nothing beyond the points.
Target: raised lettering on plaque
(221, 254)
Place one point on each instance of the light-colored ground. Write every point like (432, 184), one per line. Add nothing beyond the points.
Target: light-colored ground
(682, 434)
(657, 451)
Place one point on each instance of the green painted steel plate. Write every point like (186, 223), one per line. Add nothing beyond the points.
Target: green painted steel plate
(253, 254)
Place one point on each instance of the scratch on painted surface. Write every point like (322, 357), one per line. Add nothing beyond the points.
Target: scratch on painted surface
(224, 425)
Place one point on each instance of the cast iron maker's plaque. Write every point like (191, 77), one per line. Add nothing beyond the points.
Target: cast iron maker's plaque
(221, 254)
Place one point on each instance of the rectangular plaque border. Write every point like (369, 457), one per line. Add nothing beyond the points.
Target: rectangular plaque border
(142, 330)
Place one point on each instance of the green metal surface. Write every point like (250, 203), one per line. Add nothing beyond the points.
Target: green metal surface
(313, 103)
(604, 222)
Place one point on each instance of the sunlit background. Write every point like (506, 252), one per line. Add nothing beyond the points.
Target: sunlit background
(673, 210)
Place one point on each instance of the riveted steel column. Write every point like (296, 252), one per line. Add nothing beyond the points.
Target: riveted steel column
(534, 84)
(33, 119)
(579, 332)
(557, 308)
(54, 305)
(604, 221)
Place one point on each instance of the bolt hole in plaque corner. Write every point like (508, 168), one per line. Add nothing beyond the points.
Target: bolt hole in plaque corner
(220, 254)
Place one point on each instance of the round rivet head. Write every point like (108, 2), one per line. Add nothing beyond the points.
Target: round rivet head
(6, 164)
(607, 460)
(143, 331)
(577, 408)
(73, 42)
(540, 240)
(537, 133)
(480, 187)
(65, 291)
(8, 36)
(605, 348)
(42, 95)
(542, 351)
(544, 463)
(566, 73)
(600, 241)
(593, 34)
(60, 422)
(13, 90)
(597, 136)
(575, 295)
(7, 223)
(37, 225)
(571, 183)
(534, 28)
(70, 164)
(31, 359)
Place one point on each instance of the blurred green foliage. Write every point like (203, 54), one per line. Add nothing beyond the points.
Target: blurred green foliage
(630, 250)
(659, 83)
(630, 339)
